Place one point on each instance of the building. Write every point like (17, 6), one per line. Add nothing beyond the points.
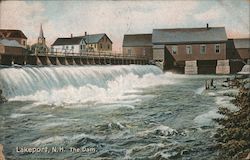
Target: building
(191, 50)
(82, 44)
(11, 51)
(242, 47)
(189, 47)
(17, 35)
(98, 42)
(40, 47)
(69, 45)
(138, 45)
(11, 47)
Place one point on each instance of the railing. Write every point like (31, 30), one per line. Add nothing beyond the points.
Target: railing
(91, 54)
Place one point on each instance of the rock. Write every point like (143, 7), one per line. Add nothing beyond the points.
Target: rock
(1, 153)
(2, 98)
(248, 156)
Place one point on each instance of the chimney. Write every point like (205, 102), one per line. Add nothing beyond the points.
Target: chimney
(207, 26)
(71, 35)
(85, 33)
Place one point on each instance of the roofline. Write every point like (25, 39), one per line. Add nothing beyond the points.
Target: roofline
(186, 28)
(247, 38)
(15, 30)
(138, 34)
(138, 46)
(188, 42)
(108, 38)
(87, 35)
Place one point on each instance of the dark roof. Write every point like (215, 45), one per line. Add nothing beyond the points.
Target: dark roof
(8, 33)
(189, 35)
(242, 43)
(137, 40)
(67, 41)
(93, 38)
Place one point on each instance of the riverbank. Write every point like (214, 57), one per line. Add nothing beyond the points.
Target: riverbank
(234, 134)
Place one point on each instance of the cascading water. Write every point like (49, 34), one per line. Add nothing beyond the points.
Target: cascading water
(28, 80)
(57, 85)
(123, 112)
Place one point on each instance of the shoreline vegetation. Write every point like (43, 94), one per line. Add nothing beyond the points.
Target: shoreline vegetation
(234, 134)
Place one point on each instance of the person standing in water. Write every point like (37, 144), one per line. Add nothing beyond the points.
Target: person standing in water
(212, 83)
(2, 98)
(206, 85)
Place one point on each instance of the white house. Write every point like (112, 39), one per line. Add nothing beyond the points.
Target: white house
(95, 43)
(69, 45)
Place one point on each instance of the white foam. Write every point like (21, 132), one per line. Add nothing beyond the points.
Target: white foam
(161, 130)
(224, 101)
(116, 91)
(53, 124)
(130, 152)
(199, 90)
(62, 139)
(206, 119)
(55, 139)
(17, 115)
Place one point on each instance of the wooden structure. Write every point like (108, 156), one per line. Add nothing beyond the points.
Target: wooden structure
(87, 58)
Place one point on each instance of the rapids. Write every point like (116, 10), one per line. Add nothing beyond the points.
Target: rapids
(123, 112)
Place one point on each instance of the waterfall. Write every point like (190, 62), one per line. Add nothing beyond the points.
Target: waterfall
(245, 69)
(77, 84)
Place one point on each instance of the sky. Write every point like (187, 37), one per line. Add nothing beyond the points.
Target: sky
(116, 18)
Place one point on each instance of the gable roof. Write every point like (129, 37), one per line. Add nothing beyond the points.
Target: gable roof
(67, 41)
(242, 43)
(10, 43)
(189, 35)
(9, 33)
(137, 40)
(93, 38)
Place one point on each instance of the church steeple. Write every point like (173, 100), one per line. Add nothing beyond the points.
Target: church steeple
(41, 31)
(41, 38)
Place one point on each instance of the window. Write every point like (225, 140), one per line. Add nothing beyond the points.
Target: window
(129, 52)
(203, 49)
(95, 45)
(217, 48)
(67, 47)
(24, 43)
(101, 46)
(144, 52)
(108, 46)
(174, 49)
(72, 47)
(189, 49)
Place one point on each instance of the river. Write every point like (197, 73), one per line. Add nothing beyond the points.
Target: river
(108, 112)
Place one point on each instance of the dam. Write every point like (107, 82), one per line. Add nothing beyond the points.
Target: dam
(88, 58)
(116, 109)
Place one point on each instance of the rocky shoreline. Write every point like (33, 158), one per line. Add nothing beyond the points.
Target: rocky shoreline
(234, 134)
